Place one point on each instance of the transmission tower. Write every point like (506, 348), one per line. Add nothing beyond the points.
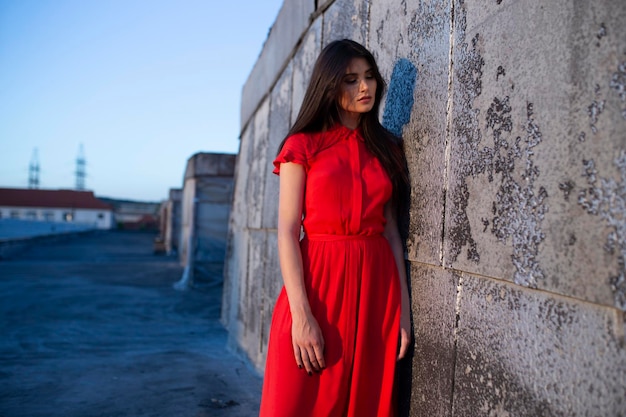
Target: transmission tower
(80, 169)
(33, 170)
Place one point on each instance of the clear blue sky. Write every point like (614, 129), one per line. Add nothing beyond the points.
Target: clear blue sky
(141, 84)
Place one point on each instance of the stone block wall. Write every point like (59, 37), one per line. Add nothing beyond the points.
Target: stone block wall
(514, 119)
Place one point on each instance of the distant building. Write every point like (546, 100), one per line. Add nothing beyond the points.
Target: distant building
(134, 215)
(71, 206)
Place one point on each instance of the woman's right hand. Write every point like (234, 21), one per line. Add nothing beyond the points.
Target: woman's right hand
(308, 343)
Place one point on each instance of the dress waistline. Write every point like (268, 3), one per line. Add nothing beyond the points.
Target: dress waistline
(332, 238)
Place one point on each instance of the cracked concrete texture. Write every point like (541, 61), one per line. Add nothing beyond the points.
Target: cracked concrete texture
(303, 62)
(252, 295)
(279, 122)
(516, 175)
(91, 326)
(346, 19)
(516, 348)
(271, 287)
(434, 303)
(258, 160)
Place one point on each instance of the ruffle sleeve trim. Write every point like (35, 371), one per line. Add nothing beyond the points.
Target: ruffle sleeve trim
(294, 150)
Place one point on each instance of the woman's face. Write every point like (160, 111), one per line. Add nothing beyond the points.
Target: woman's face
(357, 92)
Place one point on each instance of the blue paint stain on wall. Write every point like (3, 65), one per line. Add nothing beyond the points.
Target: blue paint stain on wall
(399, 102)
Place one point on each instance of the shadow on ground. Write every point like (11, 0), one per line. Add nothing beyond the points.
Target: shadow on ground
(91, 326)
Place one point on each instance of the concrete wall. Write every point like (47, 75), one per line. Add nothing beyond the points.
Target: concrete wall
(205, 210)
(514, 117)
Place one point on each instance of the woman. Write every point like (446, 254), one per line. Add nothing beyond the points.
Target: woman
(342, 318)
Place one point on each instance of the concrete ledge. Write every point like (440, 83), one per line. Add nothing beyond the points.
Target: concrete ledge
(11, 247)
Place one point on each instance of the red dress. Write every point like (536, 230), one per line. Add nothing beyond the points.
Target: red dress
(352, 285)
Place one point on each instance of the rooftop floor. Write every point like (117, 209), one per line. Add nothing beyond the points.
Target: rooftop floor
(91, 326)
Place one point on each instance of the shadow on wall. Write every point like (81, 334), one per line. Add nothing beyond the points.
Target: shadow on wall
(399, 102)
(398, 107)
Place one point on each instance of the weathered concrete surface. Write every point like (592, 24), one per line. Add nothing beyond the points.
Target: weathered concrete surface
(527, 352)
(529, 174)
(91, 326)
(303, 63)
(270, 289)
(513, 114)
(279, 116)
(235, 267)
(258, 160)
(434, 301)
(237, 277)
(346, 19)
(252, 296)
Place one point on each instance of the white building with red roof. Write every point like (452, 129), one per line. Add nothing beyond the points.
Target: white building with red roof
(61, 206)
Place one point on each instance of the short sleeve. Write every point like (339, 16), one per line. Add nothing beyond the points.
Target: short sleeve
(294, 150)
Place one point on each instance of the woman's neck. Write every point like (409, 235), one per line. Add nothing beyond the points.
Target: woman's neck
(349, 119)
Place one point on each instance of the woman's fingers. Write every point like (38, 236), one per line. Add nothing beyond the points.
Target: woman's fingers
(308, 365)
(310, 358)
(404, 343)
(298, 355)
(318, 351)
(302, 359)
(309, 361)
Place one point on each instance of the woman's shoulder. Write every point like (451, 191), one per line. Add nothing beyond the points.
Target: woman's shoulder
(300, 139)
(297, 148)
(308, 143)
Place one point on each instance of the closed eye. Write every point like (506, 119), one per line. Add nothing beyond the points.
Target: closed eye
(354, 78)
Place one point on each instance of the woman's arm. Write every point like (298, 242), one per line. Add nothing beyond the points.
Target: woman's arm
(308, 342)
(392, 234)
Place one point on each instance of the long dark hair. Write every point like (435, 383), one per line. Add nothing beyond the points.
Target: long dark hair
(319, 111)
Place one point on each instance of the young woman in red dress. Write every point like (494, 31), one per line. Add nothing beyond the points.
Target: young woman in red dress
(342, 319)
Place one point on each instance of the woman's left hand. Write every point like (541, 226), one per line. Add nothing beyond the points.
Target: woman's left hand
(405, 332)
